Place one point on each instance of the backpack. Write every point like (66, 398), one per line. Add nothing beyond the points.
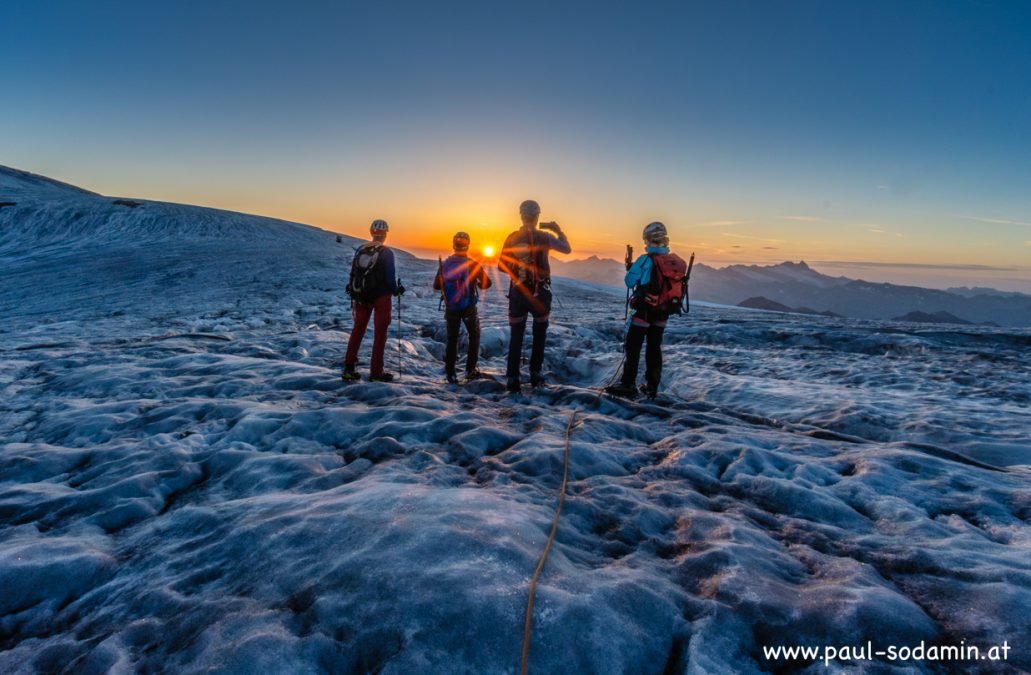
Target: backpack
(459, 289)
(666, 288)
(362, 285)
(527, 266)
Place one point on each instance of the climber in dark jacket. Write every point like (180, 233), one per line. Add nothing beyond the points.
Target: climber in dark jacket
(371, 289)
(524, 258)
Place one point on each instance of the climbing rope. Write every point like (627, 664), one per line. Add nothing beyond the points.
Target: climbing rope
(528, 624)
(615, 375)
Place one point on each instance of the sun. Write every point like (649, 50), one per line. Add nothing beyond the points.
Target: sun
(488, 251)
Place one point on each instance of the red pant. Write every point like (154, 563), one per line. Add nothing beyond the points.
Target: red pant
(361, 314)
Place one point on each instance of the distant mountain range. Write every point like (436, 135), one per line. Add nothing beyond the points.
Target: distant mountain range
(913, 317)
(937, 317)
(604, 271)
(968, 292)
(791, 285)
(760, 302)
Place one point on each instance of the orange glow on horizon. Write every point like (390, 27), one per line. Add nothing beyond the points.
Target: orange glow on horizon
(717, 238)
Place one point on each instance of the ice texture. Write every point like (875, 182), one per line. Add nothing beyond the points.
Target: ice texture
(186, 485)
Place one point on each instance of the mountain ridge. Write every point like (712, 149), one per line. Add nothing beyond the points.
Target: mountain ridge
(796, 284)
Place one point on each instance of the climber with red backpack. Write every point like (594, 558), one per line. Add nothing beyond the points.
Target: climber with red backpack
(459, 280)
(658, 280)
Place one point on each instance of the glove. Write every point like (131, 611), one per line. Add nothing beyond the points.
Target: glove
(552, 226)
(400, 291)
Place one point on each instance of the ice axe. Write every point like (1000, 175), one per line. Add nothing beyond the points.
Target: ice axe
(399, 331)
(628, 261)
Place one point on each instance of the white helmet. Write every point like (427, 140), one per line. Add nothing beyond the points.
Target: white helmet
(379, 226)
(655, 234)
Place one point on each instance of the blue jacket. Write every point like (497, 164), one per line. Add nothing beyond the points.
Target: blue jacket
(388, 273)
(640, 273)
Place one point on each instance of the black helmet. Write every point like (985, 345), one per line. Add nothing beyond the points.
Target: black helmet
(460, 242)
(529, 208)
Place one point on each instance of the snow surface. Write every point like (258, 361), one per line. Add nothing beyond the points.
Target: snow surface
(186, 484)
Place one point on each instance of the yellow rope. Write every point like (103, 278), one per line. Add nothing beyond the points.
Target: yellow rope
(528, 624)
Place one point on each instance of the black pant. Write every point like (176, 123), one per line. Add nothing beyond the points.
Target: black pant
(471, 318)
(635, 338)
(520, 304)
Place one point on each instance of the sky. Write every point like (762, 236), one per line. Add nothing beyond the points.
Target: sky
(889, 141)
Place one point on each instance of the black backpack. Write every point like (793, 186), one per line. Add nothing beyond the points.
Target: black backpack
(527, 264)
(363, 284)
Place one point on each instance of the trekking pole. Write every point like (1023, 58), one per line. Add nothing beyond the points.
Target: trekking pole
(628, 261)
(440, 275)
(687, 281)
(399, 371)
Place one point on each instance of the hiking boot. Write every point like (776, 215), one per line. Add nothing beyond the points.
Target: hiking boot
(513, 385)
(382, 377)
(349, 374)
(473, 375)
(650, 392)
(452, 377)
(537, 380)
(622, 391)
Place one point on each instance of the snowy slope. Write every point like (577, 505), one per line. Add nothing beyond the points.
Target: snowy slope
(186, 485)
(67, 254)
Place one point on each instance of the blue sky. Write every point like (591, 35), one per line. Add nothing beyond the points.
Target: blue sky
(841, 132)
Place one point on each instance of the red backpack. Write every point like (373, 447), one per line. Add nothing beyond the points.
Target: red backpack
(665, 291)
